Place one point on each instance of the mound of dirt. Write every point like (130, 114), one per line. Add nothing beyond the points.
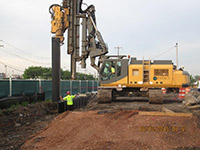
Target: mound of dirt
(192, 98)
(118, 130)
(18, 124)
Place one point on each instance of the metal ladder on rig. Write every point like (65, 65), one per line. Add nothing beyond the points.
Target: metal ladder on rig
(146, 70)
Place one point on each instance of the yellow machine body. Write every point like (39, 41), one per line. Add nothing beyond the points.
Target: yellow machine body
(151, 75)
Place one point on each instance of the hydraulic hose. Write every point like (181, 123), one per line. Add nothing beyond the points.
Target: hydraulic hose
(80, 7)
(50, 8)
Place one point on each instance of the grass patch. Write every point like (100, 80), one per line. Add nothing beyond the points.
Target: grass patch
(14, 106)
(23, 104)
(48, 100)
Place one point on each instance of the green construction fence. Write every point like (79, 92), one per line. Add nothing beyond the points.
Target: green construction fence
(28, 87)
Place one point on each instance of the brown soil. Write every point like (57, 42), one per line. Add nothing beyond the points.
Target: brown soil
(117, 130)
(18, 124)
(98, 126)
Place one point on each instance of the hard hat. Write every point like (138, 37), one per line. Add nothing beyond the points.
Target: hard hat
(68, 92)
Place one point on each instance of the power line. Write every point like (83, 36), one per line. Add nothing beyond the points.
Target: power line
(163, 52)
(11, 67)
(10, 53)
(15, 65)
(19, 50)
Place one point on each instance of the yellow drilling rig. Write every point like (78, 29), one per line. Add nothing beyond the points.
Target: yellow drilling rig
(119, 76)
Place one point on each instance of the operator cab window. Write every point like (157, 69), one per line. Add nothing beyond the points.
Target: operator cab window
(119, 66)
(108, 71)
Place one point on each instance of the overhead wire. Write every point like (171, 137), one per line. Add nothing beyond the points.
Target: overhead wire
(19, 50)
(10, 53)
(14, 68)
(15, 64)
(164, 52)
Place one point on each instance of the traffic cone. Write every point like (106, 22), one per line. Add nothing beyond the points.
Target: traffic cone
(164, 90)
(181, 93)
(187, 90)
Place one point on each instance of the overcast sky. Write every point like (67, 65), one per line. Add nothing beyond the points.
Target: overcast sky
(144, 28)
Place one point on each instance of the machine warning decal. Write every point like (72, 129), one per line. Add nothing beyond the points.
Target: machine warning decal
(154, 78)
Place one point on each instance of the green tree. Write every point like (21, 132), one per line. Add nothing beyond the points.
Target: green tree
(35, 72)
(196, 77)
(192, 79)
(45, 73)
(82, 76)
(65, 75)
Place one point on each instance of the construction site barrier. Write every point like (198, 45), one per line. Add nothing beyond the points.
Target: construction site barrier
(187, 90)
(164, 90)
(181, 93)
(13, 87)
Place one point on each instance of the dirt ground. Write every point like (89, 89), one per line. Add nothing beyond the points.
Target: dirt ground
(18, 124)
(118, 130)
(143, 105)
(99, 126)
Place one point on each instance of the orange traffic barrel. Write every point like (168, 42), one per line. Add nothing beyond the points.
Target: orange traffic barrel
(181, 93)
(187, 90)
(164, 90)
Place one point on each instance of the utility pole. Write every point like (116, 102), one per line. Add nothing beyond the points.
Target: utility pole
(118, 48)
(5, 71)
(176, 55)
(12, 74)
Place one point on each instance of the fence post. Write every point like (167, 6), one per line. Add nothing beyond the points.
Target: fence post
(87, 85)
(92, 85)
(10, 83)
(97, 85)
(40, 86)
(80, 86)
(71, 86)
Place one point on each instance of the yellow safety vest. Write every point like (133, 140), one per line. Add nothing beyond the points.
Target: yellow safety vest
(69, 99)
(112, 70)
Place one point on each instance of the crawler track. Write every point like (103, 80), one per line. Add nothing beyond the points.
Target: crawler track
(155, 96)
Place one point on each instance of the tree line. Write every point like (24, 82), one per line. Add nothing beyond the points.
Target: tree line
(38, 72)
(193, 79)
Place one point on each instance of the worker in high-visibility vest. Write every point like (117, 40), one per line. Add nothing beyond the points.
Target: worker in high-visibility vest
(69, 98)
(112, 71)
